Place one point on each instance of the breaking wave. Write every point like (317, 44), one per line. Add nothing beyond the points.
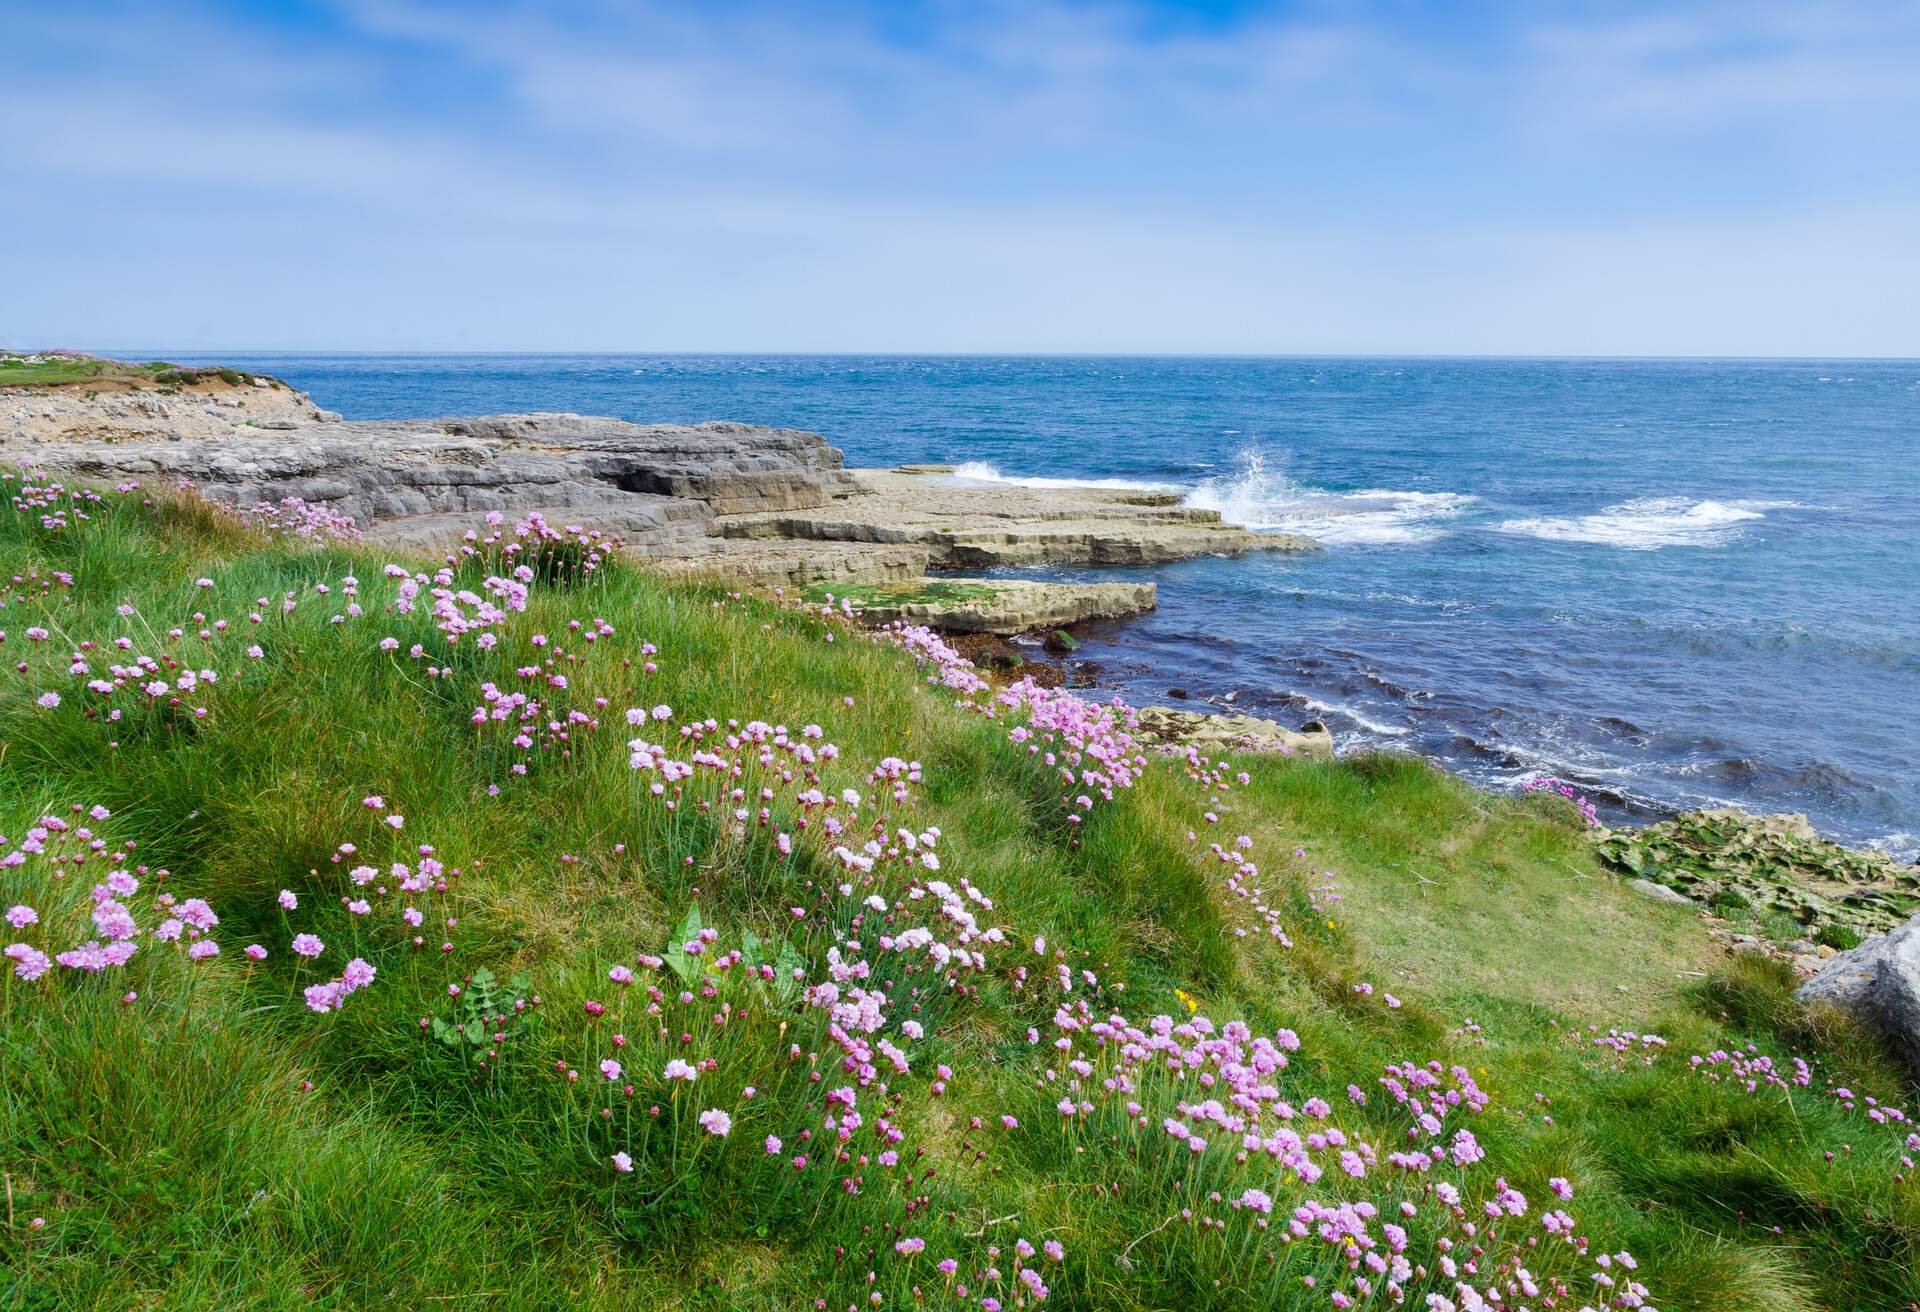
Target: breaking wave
(1257, 497)
(1649, 523)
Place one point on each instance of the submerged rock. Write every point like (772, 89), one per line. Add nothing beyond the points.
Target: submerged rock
(1879, 982)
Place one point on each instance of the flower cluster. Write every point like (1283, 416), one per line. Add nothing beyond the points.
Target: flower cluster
(1560, 788)
(97, 928)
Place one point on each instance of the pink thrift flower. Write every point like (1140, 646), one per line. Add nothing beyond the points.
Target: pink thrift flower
(323, 998)
(622, 1163)
(29, 962)
(716, 1122)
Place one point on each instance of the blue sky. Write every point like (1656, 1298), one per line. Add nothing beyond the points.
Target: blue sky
(1526, 178)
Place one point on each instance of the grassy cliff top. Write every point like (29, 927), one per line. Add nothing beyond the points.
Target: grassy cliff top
(534, 934)
(69, 368)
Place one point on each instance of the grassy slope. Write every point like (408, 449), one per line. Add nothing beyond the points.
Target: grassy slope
(181, 1159)
(18, 371)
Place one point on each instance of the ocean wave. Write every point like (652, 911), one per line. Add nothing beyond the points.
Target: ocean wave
(1348, 713)
(980, 471)
(1901, 845)
(1650, 523)
(1259, 498)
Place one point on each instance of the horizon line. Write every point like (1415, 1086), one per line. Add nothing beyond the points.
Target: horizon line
(130, 354)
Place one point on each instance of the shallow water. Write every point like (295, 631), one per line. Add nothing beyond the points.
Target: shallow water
(1675, 583)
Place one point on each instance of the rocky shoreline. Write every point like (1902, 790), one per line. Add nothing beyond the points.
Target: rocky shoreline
(752, 507)
(738, 505)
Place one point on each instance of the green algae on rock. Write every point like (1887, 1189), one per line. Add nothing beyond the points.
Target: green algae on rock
(1730, 861)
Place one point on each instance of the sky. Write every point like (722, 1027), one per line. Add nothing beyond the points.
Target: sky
(1691, 178)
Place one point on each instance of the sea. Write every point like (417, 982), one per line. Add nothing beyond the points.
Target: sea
(1671, 583)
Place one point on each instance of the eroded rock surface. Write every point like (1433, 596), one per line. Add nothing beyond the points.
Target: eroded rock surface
(116, 410)
(963, 605)
(966, 525)
(660, 485)
(1218, 733)
(738, 504)
(1729, 860)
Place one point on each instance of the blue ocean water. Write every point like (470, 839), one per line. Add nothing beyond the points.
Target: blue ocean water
(1674, 583)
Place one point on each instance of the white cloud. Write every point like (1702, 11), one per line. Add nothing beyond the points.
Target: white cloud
(1036, 178)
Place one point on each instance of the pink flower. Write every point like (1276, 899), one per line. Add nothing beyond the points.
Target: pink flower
(307, 945)
(323, 998)
(716, 1122)
(22, 915)
(29, 962)
(679, 1070)
(255, 951)
(358, 974)
(622, 1163)
(204, 949)
(773, 1145)
(396, 821)
(49, 699)
(287, 900)
(610, 1068)
(197, 913)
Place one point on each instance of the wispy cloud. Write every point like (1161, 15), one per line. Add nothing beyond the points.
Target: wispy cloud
(1037, 176)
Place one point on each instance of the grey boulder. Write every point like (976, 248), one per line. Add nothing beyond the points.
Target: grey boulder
(1879, 982)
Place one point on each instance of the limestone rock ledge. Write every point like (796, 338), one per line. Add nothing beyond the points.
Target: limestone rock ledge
(1006, 606)
(798, 565)
(1217, 733)
(972, 525)
(603, 472)
(737, 504)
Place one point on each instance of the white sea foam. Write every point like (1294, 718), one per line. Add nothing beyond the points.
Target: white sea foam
(1649, 523)
(1257, 497)
(979, 471)
(1371, 726)
(1902, 845)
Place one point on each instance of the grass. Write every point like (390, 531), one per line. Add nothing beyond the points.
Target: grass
(215, 1143)
(60, 370)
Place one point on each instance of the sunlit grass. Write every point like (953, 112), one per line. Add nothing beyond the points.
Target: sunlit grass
(216, 1143)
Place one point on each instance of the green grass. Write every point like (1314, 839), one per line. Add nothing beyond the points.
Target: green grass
(216, 1144)
(19, 371)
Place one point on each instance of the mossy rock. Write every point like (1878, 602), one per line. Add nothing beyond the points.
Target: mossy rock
(1769, 867)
